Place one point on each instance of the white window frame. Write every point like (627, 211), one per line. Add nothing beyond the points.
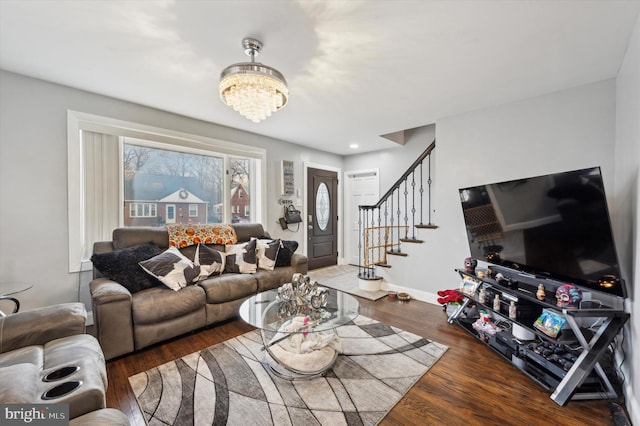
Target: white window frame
(79, 121)
(193, 209)
(151, 207)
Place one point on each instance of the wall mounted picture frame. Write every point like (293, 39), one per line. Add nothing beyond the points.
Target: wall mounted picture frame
(288, 187)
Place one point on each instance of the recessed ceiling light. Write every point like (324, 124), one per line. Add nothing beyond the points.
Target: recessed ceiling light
(353, 146)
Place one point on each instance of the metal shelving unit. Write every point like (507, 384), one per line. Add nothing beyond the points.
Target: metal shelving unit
(592, 344)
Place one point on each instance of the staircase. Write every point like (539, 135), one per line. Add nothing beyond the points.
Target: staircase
(393, 221)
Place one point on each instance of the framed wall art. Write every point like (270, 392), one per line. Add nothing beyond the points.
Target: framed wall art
(288, 187)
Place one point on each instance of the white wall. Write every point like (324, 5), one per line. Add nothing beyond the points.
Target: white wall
(393, 162)
(33, 178)
(572, 129)
(562, 131)
(627, 208)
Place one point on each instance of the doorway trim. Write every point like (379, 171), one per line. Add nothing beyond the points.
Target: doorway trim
(348, 175)
(305, 209)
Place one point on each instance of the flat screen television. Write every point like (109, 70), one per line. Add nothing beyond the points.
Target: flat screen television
(553, 226)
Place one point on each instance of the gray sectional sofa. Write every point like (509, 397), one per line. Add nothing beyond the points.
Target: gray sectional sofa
(126, 321)
(46, 358)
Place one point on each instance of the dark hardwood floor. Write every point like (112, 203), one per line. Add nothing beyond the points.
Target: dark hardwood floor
(470, 385)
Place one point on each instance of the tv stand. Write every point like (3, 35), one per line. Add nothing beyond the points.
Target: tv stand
(579, 375)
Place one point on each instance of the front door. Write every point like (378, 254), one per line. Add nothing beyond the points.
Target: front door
(322, 218)
(171, 213)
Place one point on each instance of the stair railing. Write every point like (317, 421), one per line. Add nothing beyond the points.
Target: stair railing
(384, 226)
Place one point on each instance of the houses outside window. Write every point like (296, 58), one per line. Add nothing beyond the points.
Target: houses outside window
(240, 197)
(185, 186)
(191, 182)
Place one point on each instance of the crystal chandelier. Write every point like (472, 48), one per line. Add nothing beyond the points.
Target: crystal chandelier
(251, 88)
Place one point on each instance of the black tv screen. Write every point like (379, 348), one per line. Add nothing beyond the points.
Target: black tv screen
(555, 226)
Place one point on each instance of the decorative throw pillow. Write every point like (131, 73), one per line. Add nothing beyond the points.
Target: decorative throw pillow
(211, 261)
(122, 266)
(172, 268)
(286, 251)
(190, 235)
(267, 253)
(241, 258)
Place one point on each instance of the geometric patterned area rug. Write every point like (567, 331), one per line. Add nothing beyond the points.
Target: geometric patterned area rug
(227, 384)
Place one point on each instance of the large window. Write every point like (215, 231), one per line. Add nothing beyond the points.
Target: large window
(127, 174)
(186, 186)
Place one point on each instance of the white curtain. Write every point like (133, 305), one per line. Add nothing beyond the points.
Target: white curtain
(101, 188)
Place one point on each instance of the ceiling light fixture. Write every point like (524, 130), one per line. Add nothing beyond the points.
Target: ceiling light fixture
(251, 88)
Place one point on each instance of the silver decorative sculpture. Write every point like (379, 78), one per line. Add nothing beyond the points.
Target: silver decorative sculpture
(304, 292)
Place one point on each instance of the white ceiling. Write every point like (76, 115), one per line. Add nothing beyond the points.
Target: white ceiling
(356, 69)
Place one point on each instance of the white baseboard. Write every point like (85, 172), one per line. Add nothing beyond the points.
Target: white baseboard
(423, 296)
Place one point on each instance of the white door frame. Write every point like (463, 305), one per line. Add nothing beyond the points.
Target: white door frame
(348, 246)
(305, 207)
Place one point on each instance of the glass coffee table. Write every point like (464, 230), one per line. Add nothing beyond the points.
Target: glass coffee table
(8, 289)
(300, 340)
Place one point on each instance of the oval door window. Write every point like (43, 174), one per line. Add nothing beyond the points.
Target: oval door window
(322, 206)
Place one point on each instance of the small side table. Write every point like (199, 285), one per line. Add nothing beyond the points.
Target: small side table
(7, 290)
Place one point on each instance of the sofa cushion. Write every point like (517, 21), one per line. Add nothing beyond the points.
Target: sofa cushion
(161, 303)
(172, 268)
(54, 321)
(19, 384)
(27, 354)
(267, 253)
(211, 261)
(229, 287)
(268, 280)
(245, 231)
(241, 258)
(287, 249)
(122, 266)
(135, 235)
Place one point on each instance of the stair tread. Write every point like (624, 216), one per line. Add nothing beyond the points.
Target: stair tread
(411, 240)
(426, 226)
(397, 253)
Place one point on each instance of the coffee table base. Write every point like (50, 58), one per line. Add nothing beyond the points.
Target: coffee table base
(287, 373)
(291, 365)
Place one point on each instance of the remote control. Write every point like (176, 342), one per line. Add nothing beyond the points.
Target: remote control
(619, 416)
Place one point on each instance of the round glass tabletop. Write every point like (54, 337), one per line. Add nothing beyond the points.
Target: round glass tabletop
(267, 312)
(15, 287)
